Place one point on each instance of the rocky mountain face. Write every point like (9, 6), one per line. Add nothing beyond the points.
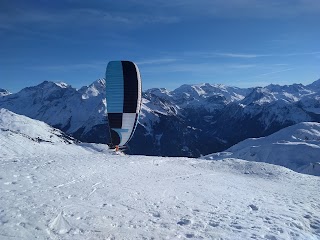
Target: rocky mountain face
(191, 120)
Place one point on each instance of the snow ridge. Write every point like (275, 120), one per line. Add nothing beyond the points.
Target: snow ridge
(34, 130)
(296, 147)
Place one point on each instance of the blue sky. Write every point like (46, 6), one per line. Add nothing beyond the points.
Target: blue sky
(242, 43)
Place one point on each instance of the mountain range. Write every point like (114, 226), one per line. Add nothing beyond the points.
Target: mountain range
(192, 120)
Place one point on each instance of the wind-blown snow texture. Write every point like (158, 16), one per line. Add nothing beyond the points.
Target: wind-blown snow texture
(191, 120)
(296, 147)
(54, 189)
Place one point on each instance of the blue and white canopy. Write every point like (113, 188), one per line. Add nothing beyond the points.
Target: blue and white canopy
(123, 86)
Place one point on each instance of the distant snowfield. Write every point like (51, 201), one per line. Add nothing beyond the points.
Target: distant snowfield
(55, 190)
(296, 147)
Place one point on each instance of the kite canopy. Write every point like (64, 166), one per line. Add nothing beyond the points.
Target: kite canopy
(123, 87)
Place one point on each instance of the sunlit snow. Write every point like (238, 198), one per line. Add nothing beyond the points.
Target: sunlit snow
(63, 190)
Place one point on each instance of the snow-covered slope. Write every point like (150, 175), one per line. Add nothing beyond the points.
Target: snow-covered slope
(22, 135)
(296, 147)
(57, 190)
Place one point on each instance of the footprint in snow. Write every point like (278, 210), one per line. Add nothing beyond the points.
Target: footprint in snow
(253, 207)
(183, 222)
(156, 214)
(189, 235)
(270, 237)
(213, 224)
(10, 183)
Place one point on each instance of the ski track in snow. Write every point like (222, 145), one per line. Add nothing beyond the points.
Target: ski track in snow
(72, 192)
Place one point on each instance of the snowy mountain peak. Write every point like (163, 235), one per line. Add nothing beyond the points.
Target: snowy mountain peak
(46, 91)
(161, 93)
(315, 84)
(195, 90)
(259, 96)
(158, 91)
(186, 89)
(210, 93)
(94, 89)
(291, 93)
(4, 92)
(49, 84)
(62, 84)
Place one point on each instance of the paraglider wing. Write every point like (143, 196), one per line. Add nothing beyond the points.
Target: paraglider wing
(123, 88)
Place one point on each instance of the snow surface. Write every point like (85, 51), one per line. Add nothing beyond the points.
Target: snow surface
(296, 147)
(18, 126)
(55, 190)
